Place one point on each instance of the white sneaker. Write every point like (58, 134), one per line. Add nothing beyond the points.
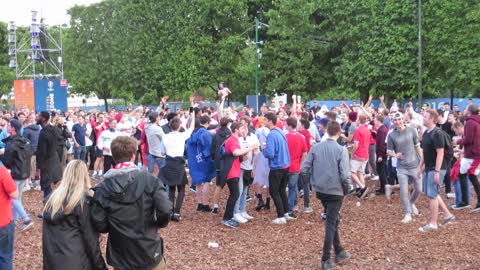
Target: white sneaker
(451, 195)
(308, 210)
(240, 219)
(290, 216)
(388, 191)
(407, 219)
(279, 221)
(375, 178)
(95, 174)
(428, 228)
(415, 210)
(246, 216)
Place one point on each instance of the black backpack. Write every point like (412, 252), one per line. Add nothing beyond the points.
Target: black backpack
(448, 146)
(24, 153)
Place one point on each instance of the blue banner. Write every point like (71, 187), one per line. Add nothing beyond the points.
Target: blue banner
(49, 95)
(435, 103)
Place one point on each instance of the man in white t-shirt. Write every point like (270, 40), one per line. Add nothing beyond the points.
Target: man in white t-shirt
(247, 171)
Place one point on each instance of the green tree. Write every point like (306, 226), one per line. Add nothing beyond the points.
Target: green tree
(7, 75)
(451, 38)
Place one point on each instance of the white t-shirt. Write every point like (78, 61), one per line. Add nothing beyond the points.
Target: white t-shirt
(173, 143)
(246, 142)
(394, 160)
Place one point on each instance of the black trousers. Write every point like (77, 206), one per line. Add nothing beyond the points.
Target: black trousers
(464, 187)
(381, 174)
(232, 198)
(332, 205)
(304, 184)
(277, 181)
(108, 163)
(446, 178)
(392, 174)
(177, 205)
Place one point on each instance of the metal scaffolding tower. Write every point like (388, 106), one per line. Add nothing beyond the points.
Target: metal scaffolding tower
(38, 53)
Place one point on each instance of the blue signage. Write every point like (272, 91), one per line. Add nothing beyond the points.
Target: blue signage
(435, 103)
(49, 95)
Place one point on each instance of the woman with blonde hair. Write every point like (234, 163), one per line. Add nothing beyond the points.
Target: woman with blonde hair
(69, 240)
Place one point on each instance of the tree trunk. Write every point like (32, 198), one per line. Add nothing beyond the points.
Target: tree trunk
(364, 93)
(106, 104)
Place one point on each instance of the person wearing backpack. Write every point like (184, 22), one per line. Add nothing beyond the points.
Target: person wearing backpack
(218, 142)
(18, 153)
(433, 167)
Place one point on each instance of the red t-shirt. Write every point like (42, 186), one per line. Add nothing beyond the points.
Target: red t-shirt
(374, 129)
(280, 124)
(308, 138)
(296, 148)
(362, 135)
(7, 186)
(232, 144)
(99, 131)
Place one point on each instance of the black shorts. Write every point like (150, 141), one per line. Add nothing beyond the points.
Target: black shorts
(98, 152)
(247, 178)
(219, 181)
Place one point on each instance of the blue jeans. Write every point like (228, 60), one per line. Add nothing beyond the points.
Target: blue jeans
(152, 160)
(241, 204)
(458, 192)
(18, 209)
(7, 234)
(79, 152)
(292, 190)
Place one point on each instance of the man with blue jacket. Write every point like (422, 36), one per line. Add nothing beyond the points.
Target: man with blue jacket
(276, 151)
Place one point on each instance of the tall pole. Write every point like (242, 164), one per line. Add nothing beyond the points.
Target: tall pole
(257, 24)
(419, 18)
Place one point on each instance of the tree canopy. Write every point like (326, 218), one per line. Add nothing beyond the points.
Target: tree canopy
(331, 49)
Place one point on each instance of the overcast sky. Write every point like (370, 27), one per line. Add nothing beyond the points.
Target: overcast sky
(54, 11)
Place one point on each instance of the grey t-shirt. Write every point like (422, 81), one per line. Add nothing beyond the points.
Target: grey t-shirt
(352, 128)
(405, 141)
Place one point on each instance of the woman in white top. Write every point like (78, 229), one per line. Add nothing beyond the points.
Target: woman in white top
(173, 173)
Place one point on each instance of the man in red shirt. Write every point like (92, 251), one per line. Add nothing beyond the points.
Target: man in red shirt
(8, 192)
(231, 164)
(297, 148)
(360, 155)
(303, 182)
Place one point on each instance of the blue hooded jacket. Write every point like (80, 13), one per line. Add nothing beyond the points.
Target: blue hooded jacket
(277, 150)
(200, 161)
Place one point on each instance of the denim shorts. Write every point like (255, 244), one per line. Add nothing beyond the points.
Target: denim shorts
(429, 187)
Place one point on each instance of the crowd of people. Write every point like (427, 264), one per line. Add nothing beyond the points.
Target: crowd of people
(144, 159)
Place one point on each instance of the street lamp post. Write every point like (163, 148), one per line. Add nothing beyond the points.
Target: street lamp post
(257, 25)
(419, 18)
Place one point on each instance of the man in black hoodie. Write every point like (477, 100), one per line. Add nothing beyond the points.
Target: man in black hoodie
(131, 205)
(49, 153)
